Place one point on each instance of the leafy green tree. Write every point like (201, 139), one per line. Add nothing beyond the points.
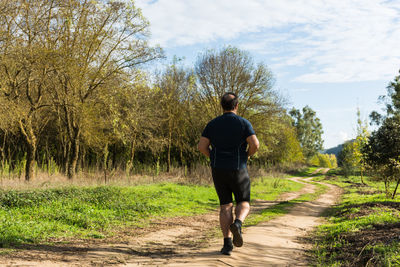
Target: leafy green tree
(95, 41)
(136, 118)
(391, 101)
(25, 56)
(323, 160)
(382, 152)
(176, 85)
(348, 159)
(309, 130)
(351, 157)
(360, 142)
(283, 145)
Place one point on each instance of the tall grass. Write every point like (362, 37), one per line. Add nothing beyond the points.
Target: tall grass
(48, 175)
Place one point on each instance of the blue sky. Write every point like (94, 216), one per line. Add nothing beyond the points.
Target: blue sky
(333, 55)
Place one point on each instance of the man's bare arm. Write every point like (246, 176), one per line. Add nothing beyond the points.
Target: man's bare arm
(204, 146)
(253, 145)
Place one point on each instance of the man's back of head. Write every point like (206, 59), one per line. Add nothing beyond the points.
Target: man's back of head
(229, 101)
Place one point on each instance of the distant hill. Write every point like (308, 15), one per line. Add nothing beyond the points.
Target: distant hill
(334, 150)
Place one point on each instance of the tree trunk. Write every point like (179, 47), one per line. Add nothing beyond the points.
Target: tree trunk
(105, 159)
(3, 150)
(182, 159)
(83, 159)
(395, 190)
(132, 152)
(361, 175)
(31, 141)
(74, 155)
(387, 187)
(169, 154)
(30, 161)
(66, 156)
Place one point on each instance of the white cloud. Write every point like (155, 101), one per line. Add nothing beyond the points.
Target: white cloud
(180, 22)
(337, 40)
(334, 138)
(301, 90)
(344, 136)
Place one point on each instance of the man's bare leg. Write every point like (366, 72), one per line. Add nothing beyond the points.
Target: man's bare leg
(242, 210)
(226, 219)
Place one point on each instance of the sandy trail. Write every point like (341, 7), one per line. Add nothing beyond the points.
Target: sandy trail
(175, 242)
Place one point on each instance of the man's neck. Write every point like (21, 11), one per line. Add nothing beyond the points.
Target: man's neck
(230, 111)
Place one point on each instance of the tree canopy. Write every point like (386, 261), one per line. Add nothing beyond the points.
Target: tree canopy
(75, 96)
(309, 130)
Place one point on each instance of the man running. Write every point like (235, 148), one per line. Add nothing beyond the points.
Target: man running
(229, 135)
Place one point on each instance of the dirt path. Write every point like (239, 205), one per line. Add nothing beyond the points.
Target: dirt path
(190, 241)
(274, 243)
(320, 171)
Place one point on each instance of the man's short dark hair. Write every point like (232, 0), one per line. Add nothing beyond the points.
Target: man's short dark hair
(229, 101)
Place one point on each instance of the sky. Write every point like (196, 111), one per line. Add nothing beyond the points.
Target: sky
(332, 55)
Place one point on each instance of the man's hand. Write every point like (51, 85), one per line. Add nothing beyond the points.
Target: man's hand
(253, 144)
(204, 146)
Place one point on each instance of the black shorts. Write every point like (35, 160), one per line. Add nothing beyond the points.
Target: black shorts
(227, 182)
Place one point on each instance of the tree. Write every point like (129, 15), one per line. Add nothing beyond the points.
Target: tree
(135, 119)
(233, 70)
(360, 142)
(382, 152)
(96, 40)
(323, 160)
(285, 147)
(57, 56)
(351, 157)
(382, 149)
(309, 130)
(391, 101)
(176, 85)
(25, 69)
(348, 159)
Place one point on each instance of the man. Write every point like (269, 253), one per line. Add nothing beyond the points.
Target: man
(229, 135)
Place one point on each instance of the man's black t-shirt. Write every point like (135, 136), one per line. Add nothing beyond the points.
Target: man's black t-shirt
(228, 134)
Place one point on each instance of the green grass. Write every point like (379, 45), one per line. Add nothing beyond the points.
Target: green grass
(42, 215)
(363, 229)
(36, 215)
(270, 188)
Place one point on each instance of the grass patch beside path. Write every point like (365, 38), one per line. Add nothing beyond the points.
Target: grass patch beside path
(270, 188)
(363, 230)
(91, 212)
(43, 215)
